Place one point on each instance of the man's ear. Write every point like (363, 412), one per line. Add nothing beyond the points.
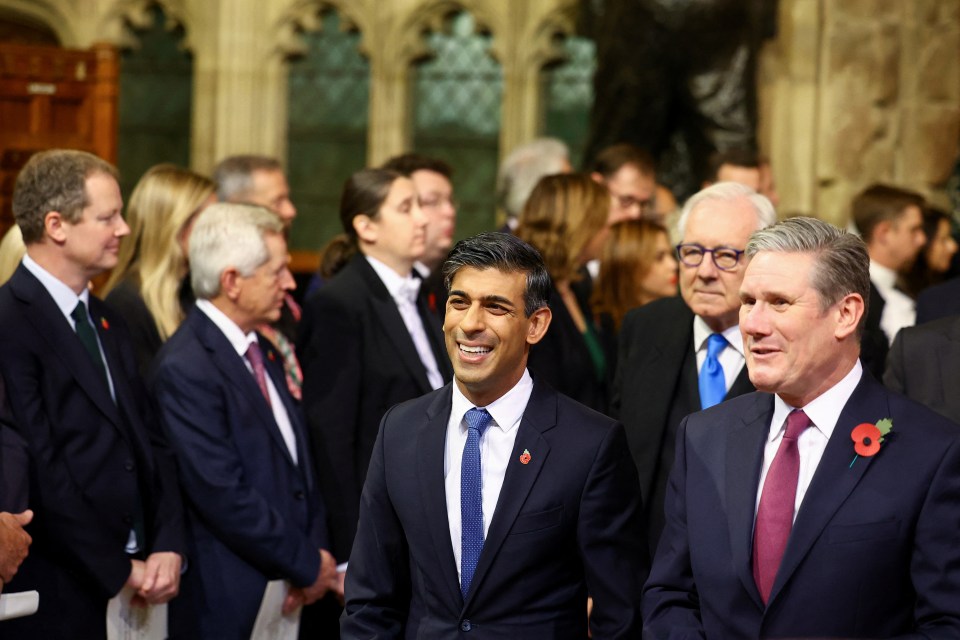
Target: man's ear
(539, 322)
(53, 226)
(848, 313)
(366, 228)
(230, 283)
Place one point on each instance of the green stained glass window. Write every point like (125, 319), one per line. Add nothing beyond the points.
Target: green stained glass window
(156, 93)
(568, 95)
(328, 103)
(457, 97)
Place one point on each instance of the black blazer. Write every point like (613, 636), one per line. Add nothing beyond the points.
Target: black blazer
(939, 301)
(92, 461)
(656, 385)
(563, 360)
(358, 360)
(924, 364)
(567, 523)
(253, 514)
(873, 551)
(874, 344)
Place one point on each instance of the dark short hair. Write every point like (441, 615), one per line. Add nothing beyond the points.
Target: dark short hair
(410, 163)
(738, 157)
(881, 202)
(234, 175)
(506, 253)
(54, 180)
(613, 158)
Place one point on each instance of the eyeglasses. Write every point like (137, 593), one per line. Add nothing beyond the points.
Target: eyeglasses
(724, 258)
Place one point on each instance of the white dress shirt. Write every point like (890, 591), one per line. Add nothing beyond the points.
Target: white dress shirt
(899, 309)
(731, 358)
(240, 342)
(404, 293)
(823, 411)
(496, 445)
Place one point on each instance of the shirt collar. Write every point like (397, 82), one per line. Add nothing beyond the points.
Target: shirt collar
(391, 280)
(506, 410)
(65, 298)
(228, 327)
(824, 410)
(701, 332)
(883, 277)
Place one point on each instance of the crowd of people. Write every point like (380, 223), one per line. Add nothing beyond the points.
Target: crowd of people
(616, 415)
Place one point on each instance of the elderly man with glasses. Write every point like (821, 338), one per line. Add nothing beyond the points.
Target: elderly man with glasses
(681, 355)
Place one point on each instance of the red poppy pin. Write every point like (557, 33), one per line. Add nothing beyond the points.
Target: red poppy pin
(867, 438)
(104, 323)
(270, 355)
(432, 302)
(525, 457)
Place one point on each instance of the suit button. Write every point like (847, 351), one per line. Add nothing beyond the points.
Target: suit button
(299, 495)
(128, 465)
(465, 625)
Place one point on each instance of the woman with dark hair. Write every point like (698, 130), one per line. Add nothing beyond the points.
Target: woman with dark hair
(565, 220)
(933, 261)
(367, 339)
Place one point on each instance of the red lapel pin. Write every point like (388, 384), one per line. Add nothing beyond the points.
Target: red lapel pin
(525, 457)
(104, 323)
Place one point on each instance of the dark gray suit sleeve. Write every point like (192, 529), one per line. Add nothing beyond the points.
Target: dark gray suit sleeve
(894, 376)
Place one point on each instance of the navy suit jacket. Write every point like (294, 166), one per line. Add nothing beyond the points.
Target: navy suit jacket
(91, 461)
(252, 514)
(873, 552)
(568, 523)
(358, 361)
(939, 301)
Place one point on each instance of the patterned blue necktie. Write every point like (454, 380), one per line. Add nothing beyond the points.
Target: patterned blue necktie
(471, 498)
(713, 386)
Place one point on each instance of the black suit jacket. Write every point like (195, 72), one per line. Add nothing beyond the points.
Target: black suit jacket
(253, 514)
(93, 463)
(566, 524)
(874, 344)
(656, 385)
(939, 301)
(358, 360)
(873, 552)
(924, 364)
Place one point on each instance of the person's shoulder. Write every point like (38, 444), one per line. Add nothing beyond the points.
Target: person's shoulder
(662, 311)
(948, 327)
(934, 428)
(348, 288)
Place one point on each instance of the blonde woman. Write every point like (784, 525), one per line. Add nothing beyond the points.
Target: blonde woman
(565, 220)
(12, 251)
(146, 287)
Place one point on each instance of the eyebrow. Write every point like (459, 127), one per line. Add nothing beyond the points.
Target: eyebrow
(488, 299)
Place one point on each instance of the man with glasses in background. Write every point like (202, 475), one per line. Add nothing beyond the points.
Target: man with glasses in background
(681, 355)
(432, 179)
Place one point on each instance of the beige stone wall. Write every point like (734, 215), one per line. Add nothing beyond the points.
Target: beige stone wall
(862, 91)
(852, 91)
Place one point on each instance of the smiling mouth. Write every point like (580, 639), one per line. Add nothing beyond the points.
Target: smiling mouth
(474, 351)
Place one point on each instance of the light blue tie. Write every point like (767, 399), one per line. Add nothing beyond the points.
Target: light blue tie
(471, 498)
(713, 386)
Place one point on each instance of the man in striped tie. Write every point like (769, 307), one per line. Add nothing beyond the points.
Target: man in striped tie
(823, 505)
(495, 506)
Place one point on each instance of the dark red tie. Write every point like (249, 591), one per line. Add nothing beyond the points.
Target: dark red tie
(775, 513)
(255, 357)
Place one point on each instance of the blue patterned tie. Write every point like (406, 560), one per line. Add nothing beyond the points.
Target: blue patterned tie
(471, 498)
(713, 386)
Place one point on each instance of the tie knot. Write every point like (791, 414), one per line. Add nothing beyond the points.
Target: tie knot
(478, 419)
(409, 289)
(715, 344)
(80, 312)
(797, 423)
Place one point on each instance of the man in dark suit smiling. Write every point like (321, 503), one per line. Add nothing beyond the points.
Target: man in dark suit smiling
(796, 512)
(495, 505)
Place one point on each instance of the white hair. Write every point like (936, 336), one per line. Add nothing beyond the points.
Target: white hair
(228, 235)
(522, 169)
(730, 192)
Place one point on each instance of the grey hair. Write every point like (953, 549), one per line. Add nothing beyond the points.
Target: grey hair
(228, 235)
(234, 175)
(522, 169)
(730, 192)
(841, 263)
(507, 253)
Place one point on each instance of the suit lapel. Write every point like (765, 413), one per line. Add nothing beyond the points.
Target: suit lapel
(539, 416)
(744, 456)
(231, 365)
(50, 323)
(431, 441)
(389, 317)
(273, 364)
(834, 478)
(433, 328)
